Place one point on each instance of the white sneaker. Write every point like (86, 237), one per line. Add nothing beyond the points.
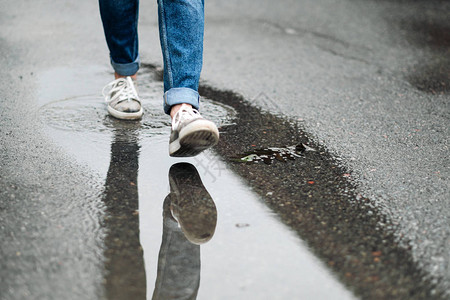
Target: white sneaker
(123, 100)
(191, 133)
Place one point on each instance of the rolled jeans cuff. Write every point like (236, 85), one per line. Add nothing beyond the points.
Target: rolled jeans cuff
(127, 69)
(181, 95)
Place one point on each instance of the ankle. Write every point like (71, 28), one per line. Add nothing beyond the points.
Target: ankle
(177, 107)
(116, 75)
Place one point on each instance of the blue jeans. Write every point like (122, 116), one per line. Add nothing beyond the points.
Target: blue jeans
(181, 24)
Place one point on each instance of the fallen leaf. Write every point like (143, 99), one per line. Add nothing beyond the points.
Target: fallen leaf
(376, 253)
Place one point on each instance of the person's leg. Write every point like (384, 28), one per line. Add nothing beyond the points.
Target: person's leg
(120, 21)
(181, 24)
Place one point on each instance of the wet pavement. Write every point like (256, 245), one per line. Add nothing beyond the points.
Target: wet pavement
(330, 180)
(141, 212)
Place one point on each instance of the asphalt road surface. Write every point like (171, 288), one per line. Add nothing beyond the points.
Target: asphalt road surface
(364, 84)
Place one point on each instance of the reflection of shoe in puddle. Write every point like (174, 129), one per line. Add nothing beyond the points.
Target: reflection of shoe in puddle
(190, 203)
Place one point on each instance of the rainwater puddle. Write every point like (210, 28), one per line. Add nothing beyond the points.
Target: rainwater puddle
(79, 123)
(249, 254)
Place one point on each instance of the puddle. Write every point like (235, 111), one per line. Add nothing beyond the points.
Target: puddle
(81, 120)
(152, 249)
(283, 230)
(86, 114)
(251, 255)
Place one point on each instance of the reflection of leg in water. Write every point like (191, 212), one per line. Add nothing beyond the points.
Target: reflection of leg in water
(190, 218)
(178, 263)
(125, 277)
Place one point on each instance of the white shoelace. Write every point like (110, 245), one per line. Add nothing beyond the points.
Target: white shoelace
(122, 88)
(184, 114)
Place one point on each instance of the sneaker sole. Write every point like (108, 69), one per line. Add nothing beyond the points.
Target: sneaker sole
(187, 190)
(194, 138)
(125, 115)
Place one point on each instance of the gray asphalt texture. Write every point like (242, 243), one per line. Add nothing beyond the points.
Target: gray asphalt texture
(367, 82)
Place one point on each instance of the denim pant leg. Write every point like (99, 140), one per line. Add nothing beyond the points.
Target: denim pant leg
(181, 24)
(120, 22)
